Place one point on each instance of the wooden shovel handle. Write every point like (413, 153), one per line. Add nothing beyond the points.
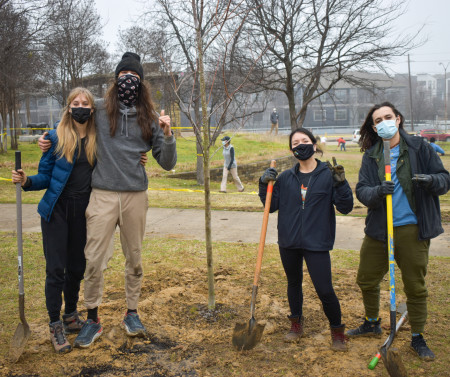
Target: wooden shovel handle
(262, 238)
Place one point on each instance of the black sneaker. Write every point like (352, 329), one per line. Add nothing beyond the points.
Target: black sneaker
(419, 345)
(133, 325)
(90, 331)
(368, 328)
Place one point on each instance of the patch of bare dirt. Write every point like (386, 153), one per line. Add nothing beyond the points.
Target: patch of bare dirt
(185, 338)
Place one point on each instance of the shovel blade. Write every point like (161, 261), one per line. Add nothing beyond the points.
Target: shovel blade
(247, 335)
(393, 362)
(18, 341)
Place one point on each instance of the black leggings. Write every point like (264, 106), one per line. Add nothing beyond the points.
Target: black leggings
(319, 268)
(64, 238)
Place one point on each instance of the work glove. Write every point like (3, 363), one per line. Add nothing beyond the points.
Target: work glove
(338, 173)
(269, 175)
(386, 188)
(423, 180)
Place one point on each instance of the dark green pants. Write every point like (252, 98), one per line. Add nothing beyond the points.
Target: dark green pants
(411, 256)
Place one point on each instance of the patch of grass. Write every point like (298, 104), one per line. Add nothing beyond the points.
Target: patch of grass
(249, 148)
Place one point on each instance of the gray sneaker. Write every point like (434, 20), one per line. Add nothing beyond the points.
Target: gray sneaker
(133, 325)
(72, 323)
(58, 338)
(90, 331)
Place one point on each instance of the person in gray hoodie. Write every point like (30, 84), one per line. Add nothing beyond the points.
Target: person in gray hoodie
(127, 125)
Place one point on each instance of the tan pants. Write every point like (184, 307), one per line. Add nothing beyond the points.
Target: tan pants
(105, 211)
(237, 181)
(274, 125)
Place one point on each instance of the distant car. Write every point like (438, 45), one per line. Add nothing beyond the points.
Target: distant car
(437, 134)
(356, 136)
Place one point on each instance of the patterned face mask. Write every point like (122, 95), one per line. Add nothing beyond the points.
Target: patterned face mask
(128, 86)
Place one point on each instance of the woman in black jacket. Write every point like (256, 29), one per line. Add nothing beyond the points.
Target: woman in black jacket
(305, 197)
(418, 178)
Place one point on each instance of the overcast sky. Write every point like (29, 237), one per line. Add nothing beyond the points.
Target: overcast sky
(433, 14)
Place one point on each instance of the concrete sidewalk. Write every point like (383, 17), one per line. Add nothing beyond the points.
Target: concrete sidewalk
(227, 226)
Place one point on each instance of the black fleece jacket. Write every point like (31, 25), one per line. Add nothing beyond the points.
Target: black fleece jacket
(314, 226)
(423, 160)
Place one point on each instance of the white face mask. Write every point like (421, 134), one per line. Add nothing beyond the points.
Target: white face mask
(223, 143)
(387, 129)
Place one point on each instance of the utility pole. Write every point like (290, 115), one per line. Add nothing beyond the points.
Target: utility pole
(410, 96)
(445, 93)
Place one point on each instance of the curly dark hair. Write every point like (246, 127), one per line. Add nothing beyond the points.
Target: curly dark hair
(144, 106)
(368, 136)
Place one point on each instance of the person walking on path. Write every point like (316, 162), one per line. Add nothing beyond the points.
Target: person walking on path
(436, 147)
(418, 178)
(341, 142)
(127, 125)
(65, 171)
(274, 121)
(229, 165)
(305, 197)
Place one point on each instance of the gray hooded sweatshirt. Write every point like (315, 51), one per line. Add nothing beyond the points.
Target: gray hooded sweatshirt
(118, 158)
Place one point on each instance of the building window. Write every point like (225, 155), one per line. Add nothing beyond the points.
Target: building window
(341, 95)
(340, 114)
(320, 115)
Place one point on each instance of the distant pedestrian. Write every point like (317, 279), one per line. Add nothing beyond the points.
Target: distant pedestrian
(229, 165)
(341, 142)
(274, 121)
(323, 140)
(436, 147)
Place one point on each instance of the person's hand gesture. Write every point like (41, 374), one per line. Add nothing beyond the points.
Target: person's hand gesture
(338, 173)
(19, 176)
(164, 123)
(44, 144)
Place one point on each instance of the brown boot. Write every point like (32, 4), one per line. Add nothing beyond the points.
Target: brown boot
(58, 338)
(338, 339)
(296, 330)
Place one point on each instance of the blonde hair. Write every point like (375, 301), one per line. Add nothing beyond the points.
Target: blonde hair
(68, 137)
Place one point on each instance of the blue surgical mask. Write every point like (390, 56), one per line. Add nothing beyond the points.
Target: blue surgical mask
(387, 129)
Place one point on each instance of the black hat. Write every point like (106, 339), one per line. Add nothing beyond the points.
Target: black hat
(130, 62)
(226, 138)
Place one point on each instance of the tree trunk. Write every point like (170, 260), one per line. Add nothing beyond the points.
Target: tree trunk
(206, 172)
(290, 93)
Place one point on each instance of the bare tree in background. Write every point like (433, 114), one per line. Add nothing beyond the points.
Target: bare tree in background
(22, 24)
(310, 40)
(72, 49)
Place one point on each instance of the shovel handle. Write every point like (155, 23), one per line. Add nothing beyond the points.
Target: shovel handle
(18, 165)
(262, 238)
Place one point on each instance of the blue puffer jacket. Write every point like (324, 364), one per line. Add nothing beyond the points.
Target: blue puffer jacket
(53, 173)
(312, 227)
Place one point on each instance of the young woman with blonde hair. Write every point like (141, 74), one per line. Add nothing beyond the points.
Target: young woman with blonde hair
(65, 171)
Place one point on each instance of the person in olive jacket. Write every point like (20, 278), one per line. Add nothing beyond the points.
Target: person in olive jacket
(418, 178)
(305, 197)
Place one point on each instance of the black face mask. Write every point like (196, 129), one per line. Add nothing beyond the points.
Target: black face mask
(128, 86)
(81, 114)
(303, 151)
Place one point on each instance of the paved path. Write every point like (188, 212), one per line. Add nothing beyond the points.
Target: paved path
(228, 226)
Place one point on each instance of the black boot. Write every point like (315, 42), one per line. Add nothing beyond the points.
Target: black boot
(419, 345)
(368, 328)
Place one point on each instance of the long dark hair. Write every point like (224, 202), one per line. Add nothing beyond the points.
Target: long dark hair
(144, 106)
(368, 136)
(307, 133)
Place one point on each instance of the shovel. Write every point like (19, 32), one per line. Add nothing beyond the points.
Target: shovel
(391, 358)
(404, 313)
(23, 332)
(248, 335)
